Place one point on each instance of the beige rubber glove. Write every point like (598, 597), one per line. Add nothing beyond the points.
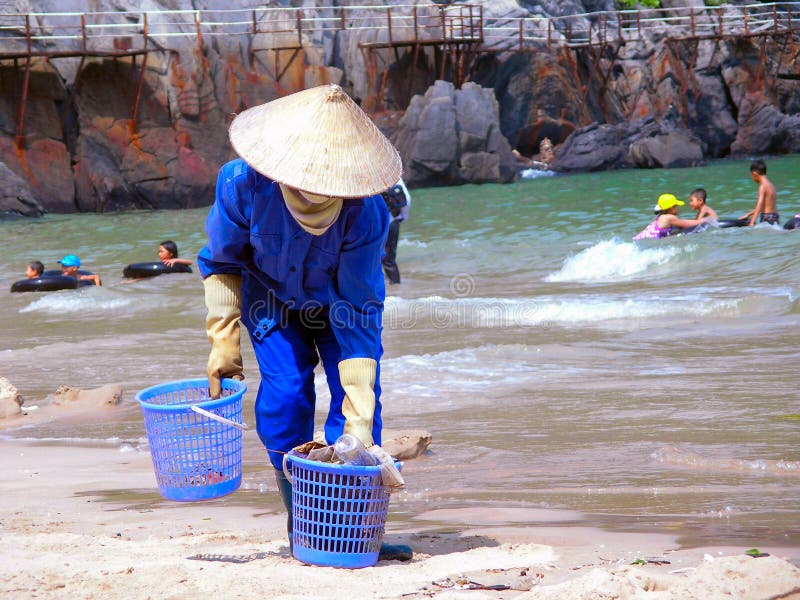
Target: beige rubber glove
(357, 376)
(224, 304)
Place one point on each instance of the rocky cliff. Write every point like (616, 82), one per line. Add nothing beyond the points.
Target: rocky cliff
(101, 133)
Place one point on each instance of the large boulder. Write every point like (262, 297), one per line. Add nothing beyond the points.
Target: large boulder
(644, 143)
(592, 148)
(42, 160)
(671, 149)
(16, 196)
(449, 137)
(764, 129)
(710, 115)
(538, 99)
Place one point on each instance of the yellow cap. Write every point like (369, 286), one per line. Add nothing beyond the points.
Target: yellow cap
(667, 201)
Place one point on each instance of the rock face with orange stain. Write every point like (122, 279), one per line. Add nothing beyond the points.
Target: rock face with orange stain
(95, 136)
(83, 150)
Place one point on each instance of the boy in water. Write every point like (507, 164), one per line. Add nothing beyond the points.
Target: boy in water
(34, 270)
(697, 201)
(69, 267)
(766, 205)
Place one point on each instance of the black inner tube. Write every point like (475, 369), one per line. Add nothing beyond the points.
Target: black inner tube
(51, 281)
(151, 269)
(46, 284)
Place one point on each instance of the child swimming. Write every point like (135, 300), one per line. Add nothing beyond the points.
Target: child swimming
(666, 210)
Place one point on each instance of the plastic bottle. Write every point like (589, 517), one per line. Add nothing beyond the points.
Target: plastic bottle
(350, 450)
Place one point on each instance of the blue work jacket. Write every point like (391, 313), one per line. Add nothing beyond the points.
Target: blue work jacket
(335, 276)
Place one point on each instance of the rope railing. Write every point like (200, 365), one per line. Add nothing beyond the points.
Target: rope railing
(43, 32)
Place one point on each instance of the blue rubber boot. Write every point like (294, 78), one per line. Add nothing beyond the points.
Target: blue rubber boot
(285, 488)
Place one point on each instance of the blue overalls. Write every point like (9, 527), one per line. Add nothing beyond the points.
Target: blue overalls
(304, 298)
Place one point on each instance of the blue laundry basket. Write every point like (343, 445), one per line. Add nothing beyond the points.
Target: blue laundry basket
(194, 456)
(338, 513)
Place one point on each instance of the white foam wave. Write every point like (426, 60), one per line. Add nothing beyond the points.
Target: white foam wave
(613, 260)
(440, 312)
(535, 173)
(671, 455)
(412, 243)
(77, 303)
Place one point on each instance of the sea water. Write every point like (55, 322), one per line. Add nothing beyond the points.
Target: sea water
(557, 364)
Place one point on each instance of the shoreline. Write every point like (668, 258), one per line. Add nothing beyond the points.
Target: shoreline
(75, 524)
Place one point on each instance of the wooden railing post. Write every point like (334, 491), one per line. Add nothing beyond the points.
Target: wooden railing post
(693, 25)
(721, 31)
(83, 31)
(416, 24)
(521, 34)
(389, 22)
(299, 20)
(255, 24)
(549, 34)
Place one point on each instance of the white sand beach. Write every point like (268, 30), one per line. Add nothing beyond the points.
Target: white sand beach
(68, 531)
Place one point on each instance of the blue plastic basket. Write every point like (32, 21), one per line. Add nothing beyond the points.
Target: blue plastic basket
(338, 513)
(194, 457)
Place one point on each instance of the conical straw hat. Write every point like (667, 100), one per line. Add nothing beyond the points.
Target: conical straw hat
(317, 141)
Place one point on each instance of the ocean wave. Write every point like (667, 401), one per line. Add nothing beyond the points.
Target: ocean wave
(447, 313)
(614, 260)
(122, 444)
(77, 303)
(671, 455)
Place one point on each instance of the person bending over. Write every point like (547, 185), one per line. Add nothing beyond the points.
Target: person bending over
(294, 253)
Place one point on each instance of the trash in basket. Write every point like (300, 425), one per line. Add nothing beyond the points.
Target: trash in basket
(194, 457)
(338, 512)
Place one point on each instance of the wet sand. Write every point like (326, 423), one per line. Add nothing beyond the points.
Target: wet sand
(80, 523)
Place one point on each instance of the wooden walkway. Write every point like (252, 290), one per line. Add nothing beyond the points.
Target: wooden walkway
(457, 34)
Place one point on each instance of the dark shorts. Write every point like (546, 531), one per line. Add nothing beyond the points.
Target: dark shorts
(771, 218)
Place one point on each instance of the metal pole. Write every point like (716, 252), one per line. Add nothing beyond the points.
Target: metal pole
(135, 114)
(19, 139)
(197, 29)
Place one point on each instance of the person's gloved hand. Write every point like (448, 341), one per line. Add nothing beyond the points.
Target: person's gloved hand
(358, 380)
(224, 304)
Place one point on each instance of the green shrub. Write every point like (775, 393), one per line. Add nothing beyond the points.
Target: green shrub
(626, 4)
